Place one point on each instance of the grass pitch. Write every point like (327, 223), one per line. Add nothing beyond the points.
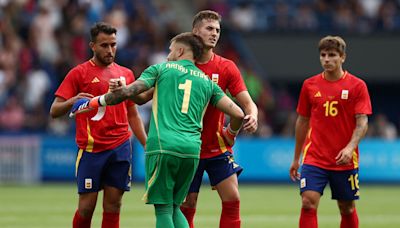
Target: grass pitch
(263, 206)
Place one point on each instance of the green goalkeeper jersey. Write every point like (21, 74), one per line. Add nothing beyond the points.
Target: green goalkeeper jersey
(181, 95)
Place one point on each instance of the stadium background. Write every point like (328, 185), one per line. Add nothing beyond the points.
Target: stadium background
(274, 42)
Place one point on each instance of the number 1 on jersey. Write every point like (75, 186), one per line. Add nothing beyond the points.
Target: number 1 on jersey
(187, 86)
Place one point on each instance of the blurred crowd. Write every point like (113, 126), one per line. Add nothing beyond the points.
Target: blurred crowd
(41, 40)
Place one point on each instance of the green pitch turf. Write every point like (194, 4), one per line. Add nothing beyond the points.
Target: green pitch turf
(53, 205)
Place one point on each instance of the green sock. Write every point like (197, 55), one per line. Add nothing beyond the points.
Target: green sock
(179, 219)
(164, 215)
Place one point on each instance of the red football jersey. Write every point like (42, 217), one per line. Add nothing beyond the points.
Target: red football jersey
(331, 107)
(112, 129)
(225, 73)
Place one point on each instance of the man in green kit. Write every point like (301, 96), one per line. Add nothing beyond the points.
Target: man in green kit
(181, 95)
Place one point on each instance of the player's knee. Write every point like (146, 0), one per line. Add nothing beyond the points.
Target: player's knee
(191, 201)
(112, 206)
(86, 212)
(307, 203)
(346, 208)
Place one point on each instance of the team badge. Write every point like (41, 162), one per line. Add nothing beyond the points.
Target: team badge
(303, 182)
(345, 94)
(215, 77)
(88, 183)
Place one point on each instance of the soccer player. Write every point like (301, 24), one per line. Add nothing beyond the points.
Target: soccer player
(332, 118)
(104, 156)
(182, 93)
(216, 157)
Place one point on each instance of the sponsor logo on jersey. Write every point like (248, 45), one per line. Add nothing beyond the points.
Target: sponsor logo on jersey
(318, 94)
(215, 77)
(88, 183)
(345, 94)
(303, 182)
(95, 80)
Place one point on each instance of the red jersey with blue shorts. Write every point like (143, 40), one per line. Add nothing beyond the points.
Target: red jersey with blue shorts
(112, 130)
(225, 73)
(331, 107)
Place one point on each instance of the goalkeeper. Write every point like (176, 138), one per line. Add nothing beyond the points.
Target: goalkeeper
(181, 95)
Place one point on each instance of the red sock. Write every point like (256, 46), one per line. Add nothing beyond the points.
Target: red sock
(189, 214)
(350, 220)
(80, 222)
(110, 220)
(308, 218)
(230, 216)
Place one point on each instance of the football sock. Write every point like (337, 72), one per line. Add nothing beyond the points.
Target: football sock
(110, 220)
(189, 214)
(164, 214)
(308, 218)
(230, 216)
(350, 220)
(179, 219)
(80, 222)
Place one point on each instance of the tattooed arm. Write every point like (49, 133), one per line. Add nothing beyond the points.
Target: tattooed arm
(346, 154)
(125, 92)
(227, 106)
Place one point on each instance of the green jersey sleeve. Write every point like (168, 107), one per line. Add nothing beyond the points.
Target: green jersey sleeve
(217, 94)
(150, 75)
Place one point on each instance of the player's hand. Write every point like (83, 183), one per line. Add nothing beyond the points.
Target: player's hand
(229, 135)
(84, 105)
(116, 84)
(250, 123)
(344, 157)
(294, 175)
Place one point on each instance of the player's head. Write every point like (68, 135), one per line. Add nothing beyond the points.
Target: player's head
(103, 42)
(332, 52)
(206, 24)
(185, 46)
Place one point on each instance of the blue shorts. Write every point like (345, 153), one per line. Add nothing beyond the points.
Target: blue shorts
(218, 169)
(343, 184)
(106, 168)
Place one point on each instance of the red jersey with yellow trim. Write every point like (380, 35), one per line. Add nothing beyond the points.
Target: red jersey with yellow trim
(225, 73)
(110, 131)
(331, 107)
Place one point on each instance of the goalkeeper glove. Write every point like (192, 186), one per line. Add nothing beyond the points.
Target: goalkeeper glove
(85, 105)
(229, 135)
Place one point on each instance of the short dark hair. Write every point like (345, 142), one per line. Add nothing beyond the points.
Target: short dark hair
(191, 40)
(205, 14)
(333, 42)
(101, 27)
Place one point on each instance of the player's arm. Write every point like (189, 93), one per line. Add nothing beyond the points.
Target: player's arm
(301, 129)
(251, 119)
(136, 124)
(142, 98)
(346, 154)
(61, 106)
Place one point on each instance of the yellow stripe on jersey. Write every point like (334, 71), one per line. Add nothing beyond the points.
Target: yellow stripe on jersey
(305, 151)
(355, 159)
(89, 147)
(151, 180)
(221, 142)
(155, 106)
(78, 159)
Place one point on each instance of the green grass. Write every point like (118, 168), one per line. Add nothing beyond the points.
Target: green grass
(53, 205)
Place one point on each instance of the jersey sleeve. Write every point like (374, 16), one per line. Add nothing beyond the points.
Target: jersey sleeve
(150, 75)
(236, 83)
(69, 87)
(304, 105)
(363, 101)
(217, 94)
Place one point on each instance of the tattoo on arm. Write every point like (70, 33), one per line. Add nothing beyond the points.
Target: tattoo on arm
(124, 93)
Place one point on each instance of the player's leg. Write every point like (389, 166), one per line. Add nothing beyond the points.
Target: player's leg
(312, 184)
(223, 173)
(181, 188)
(345, 190)
(188, 207)
(88, 176)
(116, 180)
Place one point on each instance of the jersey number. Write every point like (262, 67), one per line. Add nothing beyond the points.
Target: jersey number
(187, 86)
(330, 108)
(353, 179)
